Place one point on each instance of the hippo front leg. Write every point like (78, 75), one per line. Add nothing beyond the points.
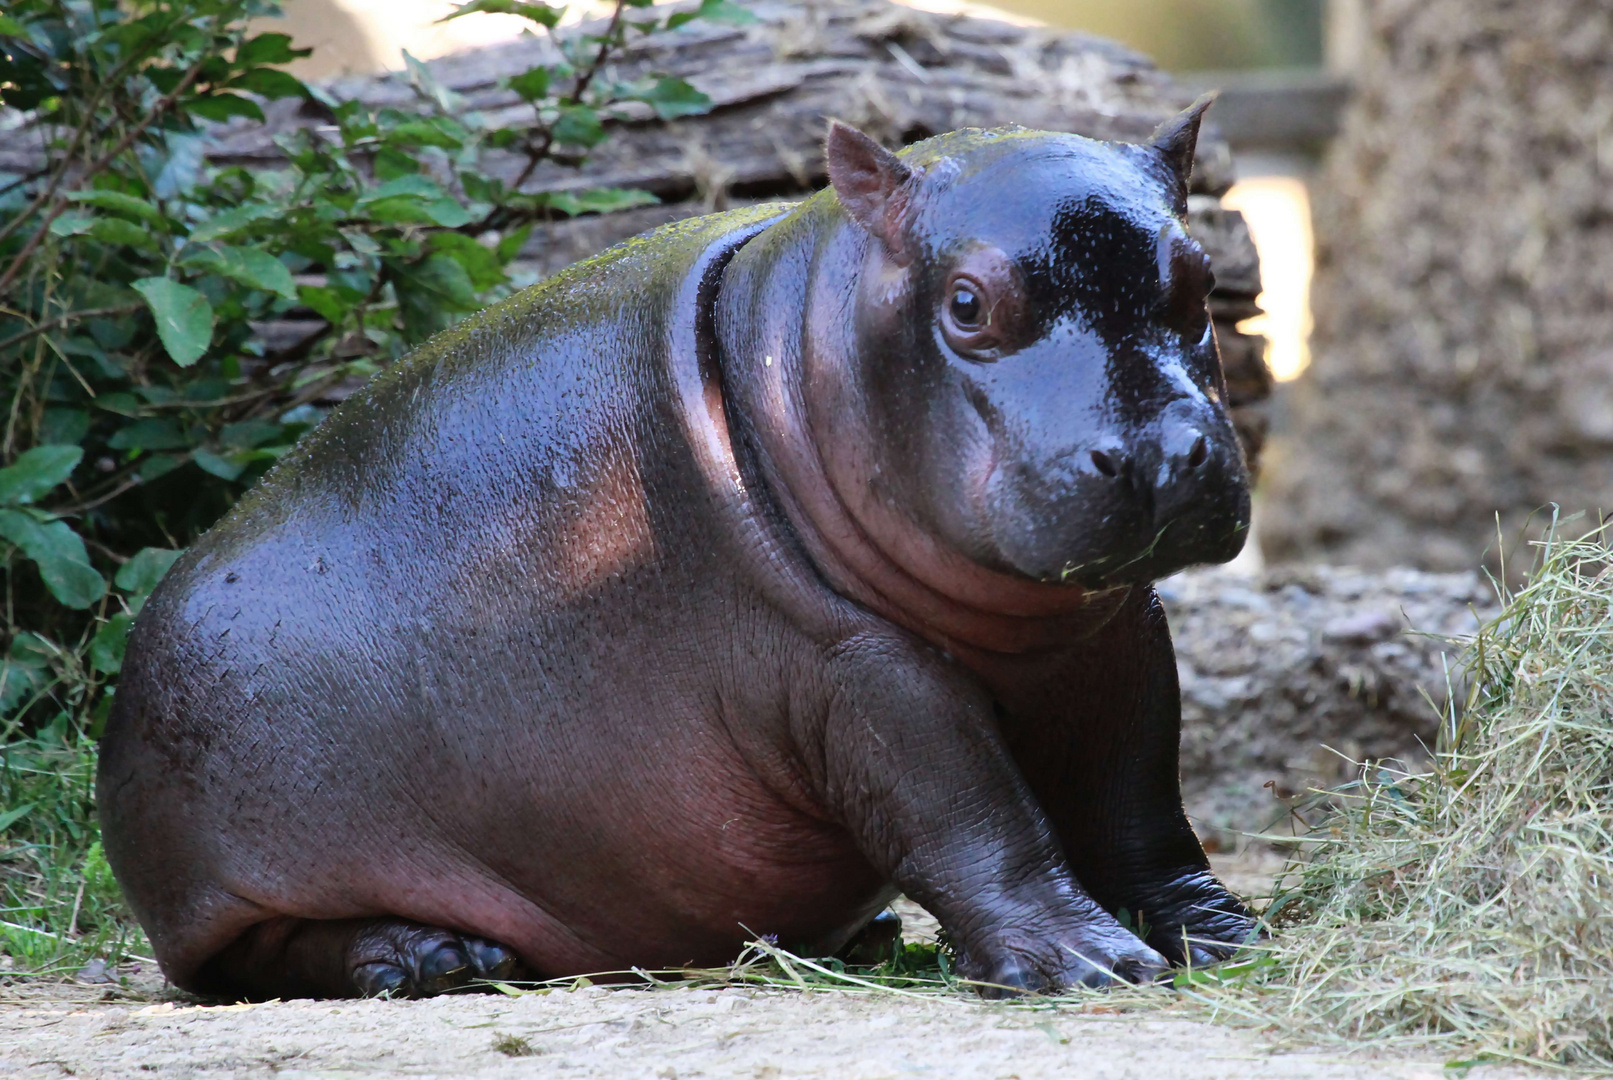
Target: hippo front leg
(1097, 736)
(911, 762)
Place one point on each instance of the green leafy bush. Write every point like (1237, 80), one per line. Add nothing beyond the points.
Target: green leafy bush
(139, 284)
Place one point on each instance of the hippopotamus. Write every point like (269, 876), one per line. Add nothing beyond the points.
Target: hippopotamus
(725, 585)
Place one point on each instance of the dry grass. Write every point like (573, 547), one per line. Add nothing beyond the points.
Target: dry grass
(1470, 908)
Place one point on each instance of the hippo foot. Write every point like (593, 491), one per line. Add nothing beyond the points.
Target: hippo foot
(1098, 957)
(877, 943)
(402, 959)
(1195, 920)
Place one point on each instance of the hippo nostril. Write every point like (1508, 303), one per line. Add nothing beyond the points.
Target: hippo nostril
(1105, 464)
(1199, 454)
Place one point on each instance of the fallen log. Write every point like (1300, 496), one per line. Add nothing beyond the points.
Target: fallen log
(898, 73)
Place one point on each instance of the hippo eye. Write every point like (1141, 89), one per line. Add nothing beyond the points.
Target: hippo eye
(965, 306)
(981, 314)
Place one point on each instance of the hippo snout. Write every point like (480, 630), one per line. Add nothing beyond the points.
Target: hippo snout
(1179, 475)
(1123, 511)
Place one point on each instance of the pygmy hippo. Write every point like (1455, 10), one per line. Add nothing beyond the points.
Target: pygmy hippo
(726, 584)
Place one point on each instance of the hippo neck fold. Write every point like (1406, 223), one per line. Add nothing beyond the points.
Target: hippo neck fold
(785, 329)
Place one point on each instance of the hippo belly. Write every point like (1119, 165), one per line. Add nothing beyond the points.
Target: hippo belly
(556, 777)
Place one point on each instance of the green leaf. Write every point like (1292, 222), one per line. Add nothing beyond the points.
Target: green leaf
(578, 125)
(600, 200)
(234, 220)
(159, 433)
(424, 133)
(36, 472)
(269, 49)
(159, 465)
(140, 574)
(672, 98)
(325, 302)
(425, 83)
(109, 643)
(444, 280)
(222, 467)
(11, 27)
(116, 231)
(542, 14)
(56, 549)
(221, 107)
(392, 162)
(181, 169)
(20, 677)
(63, 426)
(251, 266)
(184, 317)
(120, 203)
(31, 650)
(403, 210)
(409, 210)
(413, 186)
(510, 245)
(446, 212)
(121, 403)
(481, 264)
(247, 434)
(722, 11)
(72, 224)
(431, 293)
(531, 85)
(16, 813)
(268, 83)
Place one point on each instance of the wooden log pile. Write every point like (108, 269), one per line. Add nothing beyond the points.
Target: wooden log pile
(898, 73)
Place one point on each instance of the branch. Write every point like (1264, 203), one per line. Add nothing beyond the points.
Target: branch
(161, 106)
(110, 80)
(536, 156)
(79, 508)
(63, 320)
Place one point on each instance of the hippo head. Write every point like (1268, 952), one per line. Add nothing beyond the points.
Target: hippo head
(1037, 379)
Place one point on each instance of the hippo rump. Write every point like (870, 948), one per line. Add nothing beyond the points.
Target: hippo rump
(726, 584)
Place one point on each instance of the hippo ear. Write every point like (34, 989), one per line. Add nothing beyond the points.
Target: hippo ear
(1177, 138)
(868, 180)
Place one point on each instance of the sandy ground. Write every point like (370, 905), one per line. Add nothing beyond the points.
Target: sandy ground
(142, 1030)
(664, 1035)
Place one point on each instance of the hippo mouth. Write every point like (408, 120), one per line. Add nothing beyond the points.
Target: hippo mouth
(1098, 546)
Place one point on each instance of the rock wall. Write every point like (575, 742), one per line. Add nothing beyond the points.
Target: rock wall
(1463, 294)
(1290, 677)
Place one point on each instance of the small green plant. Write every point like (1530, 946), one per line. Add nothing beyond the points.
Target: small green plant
(513, 1046)
(139, 287)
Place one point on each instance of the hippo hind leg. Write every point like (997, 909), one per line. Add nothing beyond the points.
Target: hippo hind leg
(344, 958)
(876, 943)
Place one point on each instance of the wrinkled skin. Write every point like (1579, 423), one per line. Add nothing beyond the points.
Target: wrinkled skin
(723, 585)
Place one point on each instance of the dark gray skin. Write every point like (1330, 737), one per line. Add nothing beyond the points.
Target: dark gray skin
(726, 584)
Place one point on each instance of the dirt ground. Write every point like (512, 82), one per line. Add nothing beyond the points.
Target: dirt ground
(662, 1035)
(59, 1030)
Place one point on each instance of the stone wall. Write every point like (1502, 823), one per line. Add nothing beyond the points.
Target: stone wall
(1464, 291)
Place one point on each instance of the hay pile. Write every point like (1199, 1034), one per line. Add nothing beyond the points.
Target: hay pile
(1471, 907)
